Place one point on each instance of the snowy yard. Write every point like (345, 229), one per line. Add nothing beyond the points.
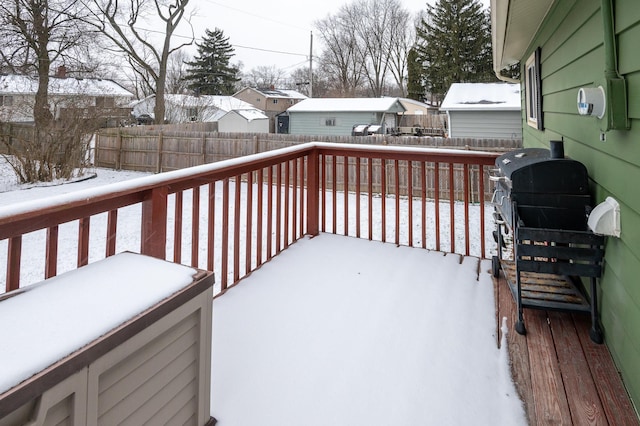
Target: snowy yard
(335, 330)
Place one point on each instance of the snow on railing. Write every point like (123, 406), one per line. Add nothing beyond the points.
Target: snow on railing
(249, 209)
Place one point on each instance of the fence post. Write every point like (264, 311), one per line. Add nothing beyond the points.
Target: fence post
(119, 152)
(159, 156)
(153, 235)
(313, 192)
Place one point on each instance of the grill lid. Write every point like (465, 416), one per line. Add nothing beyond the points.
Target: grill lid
(534, 170)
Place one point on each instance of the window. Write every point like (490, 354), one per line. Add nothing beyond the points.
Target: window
(192, 113)
(275, 101)
(533, 91)
(330, 121)
(6, 100)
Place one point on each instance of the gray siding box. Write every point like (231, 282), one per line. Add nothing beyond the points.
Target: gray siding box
(153, 369)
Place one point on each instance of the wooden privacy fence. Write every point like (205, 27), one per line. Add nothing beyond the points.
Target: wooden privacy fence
(155, 149)
(232, 216)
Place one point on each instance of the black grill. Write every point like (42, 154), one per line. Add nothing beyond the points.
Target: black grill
(542, 200)
(549, 192)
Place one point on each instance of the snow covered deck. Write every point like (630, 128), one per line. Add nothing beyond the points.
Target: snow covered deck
(344, 331)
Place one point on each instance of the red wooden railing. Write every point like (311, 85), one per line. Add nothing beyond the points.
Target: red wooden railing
(246, 210)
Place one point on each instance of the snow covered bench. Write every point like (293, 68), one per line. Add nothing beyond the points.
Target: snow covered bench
(125, 340)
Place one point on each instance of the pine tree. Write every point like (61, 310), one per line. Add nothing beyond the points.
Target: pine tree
(210, 72)
(454, 45)
(415, 78)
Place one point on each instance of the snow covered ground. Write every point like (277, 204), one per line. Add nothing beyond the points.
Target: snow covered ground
(335, 330)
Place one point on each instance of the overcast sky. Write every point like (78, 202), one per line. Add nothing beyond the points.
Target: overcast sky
(270, 33)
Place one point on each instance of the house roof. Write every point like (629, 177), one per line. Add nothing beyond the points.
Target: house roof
(513, 26)
(348, 105)
(249, 114)
(277, 93)
(482, 97)
(22, 84)
(225, 103)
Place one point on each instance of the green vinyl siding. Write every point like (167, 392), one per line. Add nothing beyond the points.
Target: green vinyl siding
(573, 56)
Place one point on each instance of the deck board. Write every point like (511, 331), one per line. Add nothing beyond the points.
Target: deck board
(580, 387)
(561, 375)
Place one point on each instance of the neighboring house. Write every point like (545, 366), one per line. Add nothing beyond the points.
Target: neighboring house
(272, 101)
(338, 116)
(244, 121)
(185, 108)
(68, 96)
(483, 110)
(564, 46)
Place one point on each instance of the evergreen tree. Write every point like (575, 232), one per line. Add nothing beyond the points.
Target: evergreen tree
(210, 72)
(454, 45)
(415, 79)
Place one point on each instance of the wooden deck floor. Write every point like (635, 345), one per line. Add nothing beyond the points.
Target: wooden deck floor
(562, 376)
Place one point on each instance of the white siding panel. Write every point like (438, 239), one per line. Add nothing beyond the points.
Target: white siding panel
(485, 124)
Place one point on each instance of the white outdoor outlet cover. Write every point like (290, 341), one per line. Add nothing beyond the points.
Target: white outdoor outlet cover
(605, 218)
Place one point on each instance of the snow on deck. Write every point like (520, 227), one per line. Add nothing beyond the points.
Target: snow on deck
(55, 318)
(343, 331)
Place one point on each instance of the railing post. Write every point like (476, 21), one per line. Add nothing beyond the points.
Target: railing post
(153, 235)
(313, 192)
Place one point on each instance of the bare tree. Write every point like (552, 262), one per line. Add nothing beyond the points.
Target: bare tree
(341, 60)
(123, 25)
(36, 34)
(299, 81)
(264, 77)
(365, 41)
(176, 72)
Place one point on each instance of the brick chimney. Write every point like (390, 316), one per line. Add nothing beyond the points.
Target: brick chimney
(62, 72)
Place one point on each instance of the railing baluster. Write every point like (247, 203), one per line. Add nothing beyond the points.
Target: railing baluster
(14, 251)
(358, 165)
(436, 184)
(51, 256)
(270, 214)
(423, 177)
(410, 198)
(286, 203)
(112, 232)
(260, 217)
(294, 200)
(323, 170)
(383, 197)
(278, 208)
(177, 227)
(481, 198)
(345, 185)
(452, 218)
(466, 208)
(211, 226)
(224, 267)
(313, 196)
(195, 226)
(248, 224)
(334, 194)
(370, 196)
(83, 241)
(396, 177)
(236, 229)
